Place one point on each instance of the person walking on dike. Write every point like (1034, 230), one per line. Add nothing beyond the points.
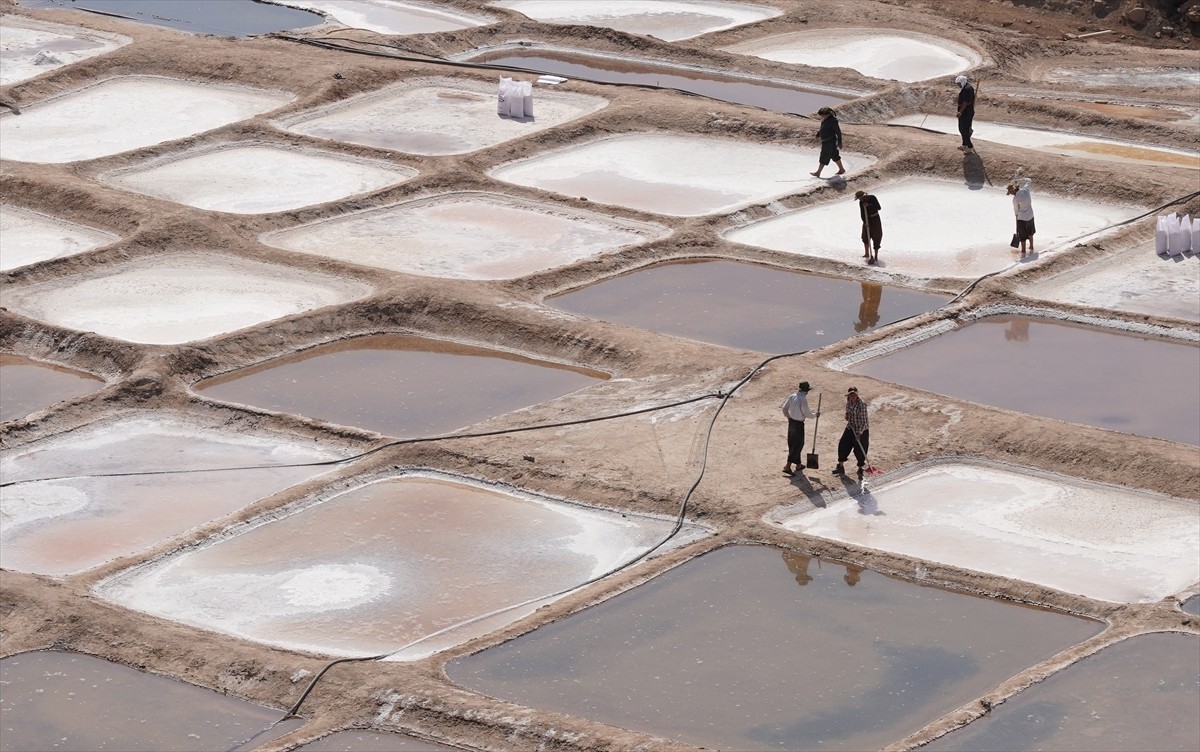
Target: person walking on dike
(966, 112)
(830, 134)
(1022, 198)
(856, 438)
(795, 408)
(872, 227)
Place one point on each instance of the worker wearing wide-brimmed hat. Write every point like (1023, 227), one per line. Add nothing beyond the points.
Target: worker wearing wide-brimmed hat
(795, 408)
(830, 135)
(872, 226)
(856, 438)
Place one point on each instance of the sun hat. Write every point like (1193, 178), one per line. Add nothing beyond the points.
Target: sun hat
(804, 386)
(859, 194)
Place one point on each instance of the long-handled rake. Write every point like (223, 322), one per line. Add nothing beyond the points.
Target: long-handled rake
(868, 468)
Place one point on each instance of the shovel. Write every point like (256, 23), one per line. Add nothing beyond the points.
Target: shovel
(811, 462)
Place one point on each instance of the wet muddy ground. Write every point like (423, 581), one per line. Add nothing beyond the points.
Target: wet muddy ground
(166, 299)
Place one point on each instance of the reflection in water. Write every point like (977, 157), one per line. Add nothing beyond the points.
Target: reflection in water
(1017, 330)
(1069, 371)
(725, 651)
(868, 310)
(743, 305)
(1140, 694)
(853, 575)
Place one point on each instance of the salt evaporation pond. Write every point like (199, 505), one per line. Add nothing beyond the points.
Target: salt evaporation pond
(370, 741)
(1140, 694)
(683, 176)
(257, 178)
(437, 116)
(1162, 77)
(1072, 372)
(179, 297)
(387, 564)
(758, 648)
(30, 386)
(1058, 142)
(668, 20)
(466, 235)
(124, 113)
(390, 16)
(32, 237)
(79, 703)
(64, 526)
(398, 385)
(30, 47)
(1106, 542)
(967, 237)
(238, 18)
(1192, 605)
(705, 82)
(746, 305)
(1137, 280)
(892, 55)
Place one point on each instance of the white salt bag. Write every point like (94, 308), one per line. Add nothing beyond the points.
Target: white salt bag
(503, 95)
(1187, 226)
(1177, 240)
(1161, 239)
(526, 99)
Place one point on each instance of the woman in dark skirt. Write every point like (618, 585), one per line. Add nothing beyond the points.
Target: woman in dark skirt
(830, 134)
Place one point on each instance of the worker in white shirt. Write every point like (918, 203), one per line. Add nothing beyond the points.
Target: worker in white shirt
(795, 408)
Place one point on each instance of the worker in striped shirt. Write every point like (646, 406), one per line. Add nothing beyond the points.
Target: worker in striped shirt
(856, 438)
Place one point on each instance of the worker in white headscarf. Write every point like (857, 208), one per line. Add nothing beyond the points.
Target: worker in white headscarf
(1022, 198)
(966, 112)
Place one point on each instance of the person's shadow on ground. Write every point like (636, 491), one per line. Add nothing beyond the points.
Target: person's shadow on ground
(814, 493)
(974, 173)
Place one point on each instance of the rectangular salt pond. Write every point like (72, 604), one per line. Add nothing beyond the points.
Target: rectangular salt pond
(29, 386)
(236, 18)
(257, 178)
(466, 235)
(1137, 280)
(1140, 694)
(705, 82)
(390, 16)
(668, 20)
(1072, 372)
(966, 237)
(682, 176)
(30, 47)
(179, 297)
(1106, 542)
(55, 700)
(398, 385)
(889, 54)
(401, 560)
(124, 113)
(437, 116)
(746, 305)
(31, 237)
(64, 526)
(757, 648)
(1059, 142)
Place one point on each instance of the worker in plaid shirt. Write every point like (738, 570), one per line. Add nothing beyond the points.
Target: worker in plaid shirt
(856, 437)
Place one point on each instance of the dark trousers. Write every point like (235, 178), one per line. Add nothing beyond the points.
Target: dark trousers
(795, 442)
(965, 130)
(847, 444)
(872, 230)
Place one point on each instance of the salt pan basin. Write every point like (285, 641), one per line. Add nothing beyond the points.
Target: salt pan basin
(966, 236)
(29, 386)
(31, 237)
(683, 176)
(63, 526)
(1104, 542)
(669, 20)
(124, 113)
(1059, 142)
(894, 55)
(29, 47)
(404, 560)
(179, 297)
(466, 235)
(258, 178)
(437, 117)
(1137, 280)
(388, 16)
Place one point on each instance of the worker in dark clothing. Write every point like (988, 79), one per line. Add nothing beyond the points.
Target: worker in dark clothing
(966, 112)
(872, 227)
(830, 134)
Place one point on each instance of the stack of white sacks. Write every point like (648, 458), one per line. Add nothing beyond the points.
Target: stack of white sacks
(1175, 235)
(515, 98)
